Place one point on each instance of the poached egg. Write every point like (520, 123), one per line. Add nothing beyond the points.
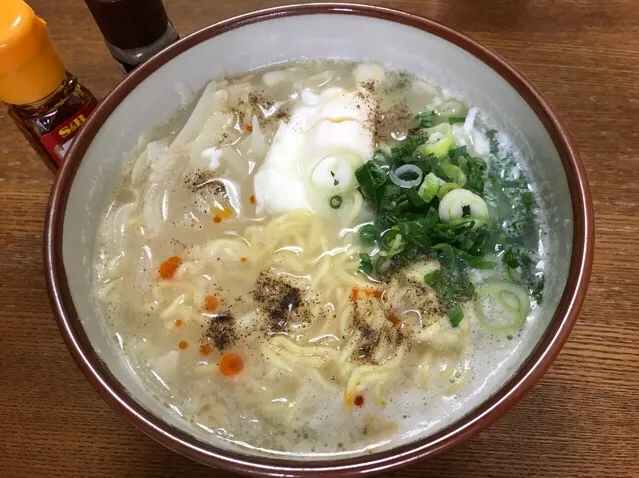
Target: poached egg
(314, 156)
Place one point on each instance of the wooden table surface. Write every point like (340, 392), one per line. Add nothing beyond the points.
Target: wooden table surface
(581, 420)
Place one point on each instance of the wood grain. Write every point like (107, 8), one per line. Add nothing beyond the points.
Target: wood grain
(582, 420)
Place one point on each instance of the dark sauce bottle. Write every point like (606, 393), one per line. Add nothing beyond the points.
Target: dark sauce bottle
(45, 101)
(134, 30)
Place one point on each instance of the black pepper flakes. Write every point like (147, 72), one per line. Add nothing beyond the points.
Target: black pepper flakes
(258, 103)
(369, 340)
(206, 180)
(277, 298)
(391, 120)
(221, 331)
(373, 339)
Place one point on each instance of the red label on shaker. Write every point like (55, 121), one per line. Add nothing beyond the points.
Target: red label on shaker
(58, 141)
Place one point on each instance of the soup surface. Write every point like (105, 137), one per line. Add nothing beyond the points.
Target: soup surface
(323, 258)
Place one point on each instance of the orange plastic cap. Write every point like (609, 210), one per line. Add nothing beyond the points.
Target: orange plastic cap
(30, 66)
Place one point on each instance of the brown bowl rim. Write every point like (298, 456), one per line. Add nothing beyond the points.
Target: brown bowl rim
(529, 373)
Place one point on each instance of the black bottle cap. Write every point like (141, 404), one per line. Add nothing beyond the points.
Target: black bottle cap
(128, 24)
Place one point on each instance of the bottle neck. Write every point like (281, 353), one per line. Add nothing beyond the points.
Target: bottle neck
(53, 99)
(137, 56)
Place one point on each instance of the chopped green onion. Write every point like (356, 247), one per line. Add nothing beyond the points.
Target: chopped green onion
(453, 204)
(451, 290)
(452, 109)
(367, 235)
(427, 118)
(365, 263)
(428, 190)
(336, 202)
(516, 256)
(513, 274)
(478, 220)
(379, 157)
(406, 176)
(433, 277)
(391, 242)
(509, 300)
(510, 260)
(483, 264)
(508, 304)
(383, 265)
(440, 141)
(445, 189)
(455, 174)
(455, 315)
(370, 177)
(457, 154)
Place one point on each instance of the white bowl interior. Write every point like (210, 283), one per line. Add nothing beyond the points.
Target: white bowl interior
(316, 36)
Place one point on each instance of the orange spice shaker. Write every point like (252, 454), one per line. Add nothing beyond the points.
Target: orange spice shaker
(45, 101)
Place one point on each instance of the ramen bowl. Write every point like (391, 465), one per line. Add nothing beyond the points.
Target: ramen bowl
(313, 31)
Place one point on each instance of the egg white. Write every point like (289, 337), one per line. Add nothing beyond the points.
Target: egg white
(314, 156)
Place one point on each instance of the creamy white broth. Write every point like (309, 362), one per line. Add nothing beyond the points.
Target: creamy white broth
(266, 269)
